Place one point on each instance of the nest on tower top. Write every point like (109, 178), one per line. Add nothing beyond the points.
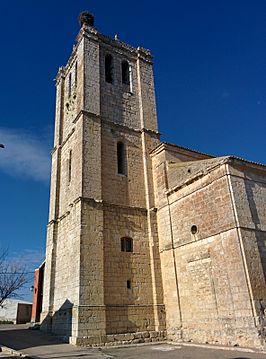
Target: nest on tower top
(86, 18)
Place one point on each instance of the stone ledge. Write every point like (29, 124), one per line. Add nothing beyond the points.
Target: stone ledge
(119, 339)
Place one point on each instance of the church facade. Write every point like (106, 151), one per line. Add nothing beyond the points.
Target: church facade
(146, 241)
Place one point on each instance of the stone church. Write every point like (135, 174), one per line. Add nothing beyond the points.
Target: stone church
(146, 240)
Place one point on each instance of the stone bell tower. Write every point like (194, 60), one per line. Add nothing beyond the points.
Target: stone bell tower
(103, 273)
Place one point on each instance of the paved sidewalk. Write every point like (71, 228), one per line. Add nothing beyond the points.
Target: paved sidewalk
(166, 351)
(39, 345)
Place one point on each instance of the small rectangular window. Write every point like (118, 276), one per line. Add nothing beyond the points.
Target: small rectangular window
(126, 244)
(128, 284)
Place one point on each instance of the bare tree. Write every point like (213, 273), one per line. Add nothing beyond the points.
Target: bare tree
(12, 277)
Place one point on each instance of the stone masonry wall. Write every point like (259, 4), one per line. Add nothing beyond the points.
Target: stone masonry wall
(61, 280)
(72, 100)
(124, 190)
(206, 291)
(71, 183)
(128, 309)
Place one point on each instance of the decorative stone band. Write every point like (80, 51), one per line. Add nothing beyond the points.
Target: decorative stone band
(100, 205)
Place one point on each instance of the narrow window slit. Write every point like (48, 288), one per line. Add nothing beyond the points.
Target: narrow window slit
(69, 84)
(121, 158)
(76, 74)
(125, 73)
(109, 68)
(69, 166)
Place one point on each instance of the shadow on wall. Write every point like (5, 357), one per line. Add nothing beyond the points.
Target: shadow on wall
(261, 240)
(261, 243)
(60, 323)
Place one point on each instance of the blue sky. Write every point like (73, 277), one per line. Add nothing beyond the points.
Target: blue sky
(210, 80)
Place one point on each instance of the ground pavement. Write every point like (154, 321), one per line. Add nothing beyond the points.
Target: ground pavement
(42, 346)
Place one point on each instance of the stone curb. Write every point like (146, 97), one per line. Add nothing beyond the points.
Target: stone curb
(10, 351)
(118, 346)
